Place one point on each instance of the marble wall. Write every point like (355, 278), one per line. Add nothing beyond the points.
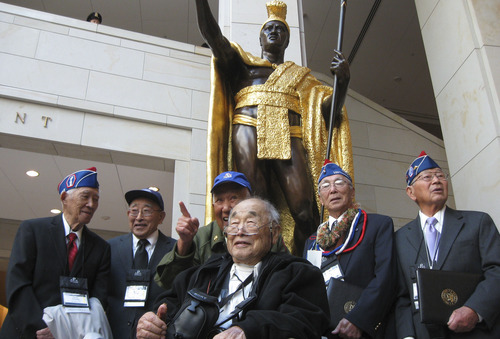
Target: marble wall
(133, 93)
(462, 43)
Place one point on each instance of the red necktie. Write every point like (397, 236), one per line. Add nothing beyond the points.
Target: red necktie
(72, 250)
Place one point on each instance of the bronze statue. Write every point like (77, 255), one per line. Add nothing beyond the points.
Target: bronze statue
(268, 120)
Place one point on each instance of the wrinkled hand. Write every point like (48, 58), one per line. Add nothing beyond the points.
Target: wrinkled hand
(463, 319)
(233, 332)
(44, 333)
(340, 67)
(151, 326)
(346, 329)
(187, 228)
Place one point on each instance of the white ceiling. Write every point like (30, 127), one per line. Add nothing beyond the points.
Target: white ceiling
(25, 197)
(389, 68)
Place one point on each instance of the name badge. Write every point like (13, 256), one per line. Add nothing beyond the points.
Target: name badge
(137, 288)
(314, 257)
(74, 292)
(333, 272)
(415, 296)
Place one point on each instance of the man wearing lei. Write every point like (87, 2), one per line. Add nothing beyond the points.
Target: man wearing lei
(357, 248)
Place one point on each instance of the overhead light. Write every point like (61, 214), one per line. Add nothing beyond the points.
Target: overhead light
(154, 188)
(55, 211)
(32, 173)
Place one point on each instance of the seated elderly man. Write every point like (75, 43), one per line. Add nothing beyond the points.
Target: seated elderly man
(273, 295)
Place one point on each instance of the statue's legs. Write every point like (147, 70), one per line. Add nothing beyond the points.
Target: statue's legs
(295, 182)
(245, 158)
(292, 176)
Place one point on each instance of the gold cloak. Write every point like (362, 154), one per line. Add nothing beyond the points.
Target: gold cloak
(314, 134)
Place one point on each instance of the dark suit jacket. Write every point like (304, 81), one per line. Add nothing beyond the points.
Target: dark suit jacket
(470, 242)
(123, 320)
(38, 258)
(372, 266)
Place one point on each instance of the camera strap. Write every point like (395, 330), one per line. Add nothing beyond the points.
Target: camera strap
(226, 299)
(241, 306)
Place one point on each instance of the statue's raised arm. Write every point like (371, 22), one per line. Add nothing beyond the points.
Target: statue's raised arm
(212, 34)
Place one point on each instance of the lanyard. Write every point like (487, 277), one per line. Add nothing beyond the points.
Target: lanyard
(247, 281)
(431, 261)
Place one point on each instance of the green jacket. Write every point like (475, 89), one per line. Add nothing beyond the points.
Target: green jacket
(209, 240)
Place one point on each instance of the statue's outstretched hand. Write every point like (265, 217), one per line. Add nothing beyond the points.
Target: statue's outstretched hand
(340, 67)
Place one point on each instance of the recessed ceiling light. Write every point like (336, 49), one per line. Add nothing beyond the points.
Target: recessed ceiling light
(55, 211)
(32, 173)
(154, 188)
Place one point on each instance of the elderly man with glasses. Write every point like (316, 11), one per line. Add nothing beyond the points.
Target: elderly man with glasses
(134, 257)
(260, 293)
(197, 244)
(356, 248)
(441, 238)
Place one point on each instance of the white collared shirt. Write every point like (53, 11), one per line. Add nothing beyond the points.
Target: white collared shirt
(237, 275)
(439, 217)
(153, 238)
(67, 230)
(332, 220)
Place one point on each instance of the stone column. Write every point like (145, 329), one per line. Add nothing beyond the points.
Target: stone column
(462, 43)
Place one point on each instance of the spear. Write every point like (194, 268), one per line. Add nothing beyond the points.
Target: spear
(340, 38)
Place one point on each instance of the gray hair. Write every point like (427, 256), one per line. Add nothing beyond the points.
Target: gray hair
(270, 211)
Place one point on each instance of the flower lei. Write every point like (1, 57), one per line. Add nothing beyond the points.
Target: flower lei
(327, 238)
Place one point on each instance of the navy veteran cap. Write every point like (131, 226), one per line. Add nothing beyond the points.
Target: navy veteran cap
(82, 178)
(329, 168)
(236, 177)
(422, 163)
(145, 193)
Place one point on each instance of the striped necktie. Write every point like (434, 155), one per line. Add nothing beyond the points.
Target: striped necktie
(72, 249)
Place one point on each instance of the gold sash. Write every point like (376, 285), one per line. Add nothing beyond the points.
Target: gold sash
(274, 99)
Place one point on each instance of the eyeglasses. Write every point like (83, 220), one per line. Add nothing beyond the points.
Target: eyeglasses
(247, 229)
(339, 183)
(427, 177)
(146, 212)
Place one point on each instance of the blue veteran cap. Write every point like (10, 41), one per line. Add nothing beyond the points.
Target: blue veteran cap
(329, 168)
(422, 163)
(145, 193)
(82, 178)
(236, 177)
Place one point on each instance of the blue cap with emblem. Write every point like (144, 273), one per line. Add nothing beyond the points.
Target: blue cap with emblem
(230, 176)
(145, 193)
(82, 178)
(421, 163)
(329, 168)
